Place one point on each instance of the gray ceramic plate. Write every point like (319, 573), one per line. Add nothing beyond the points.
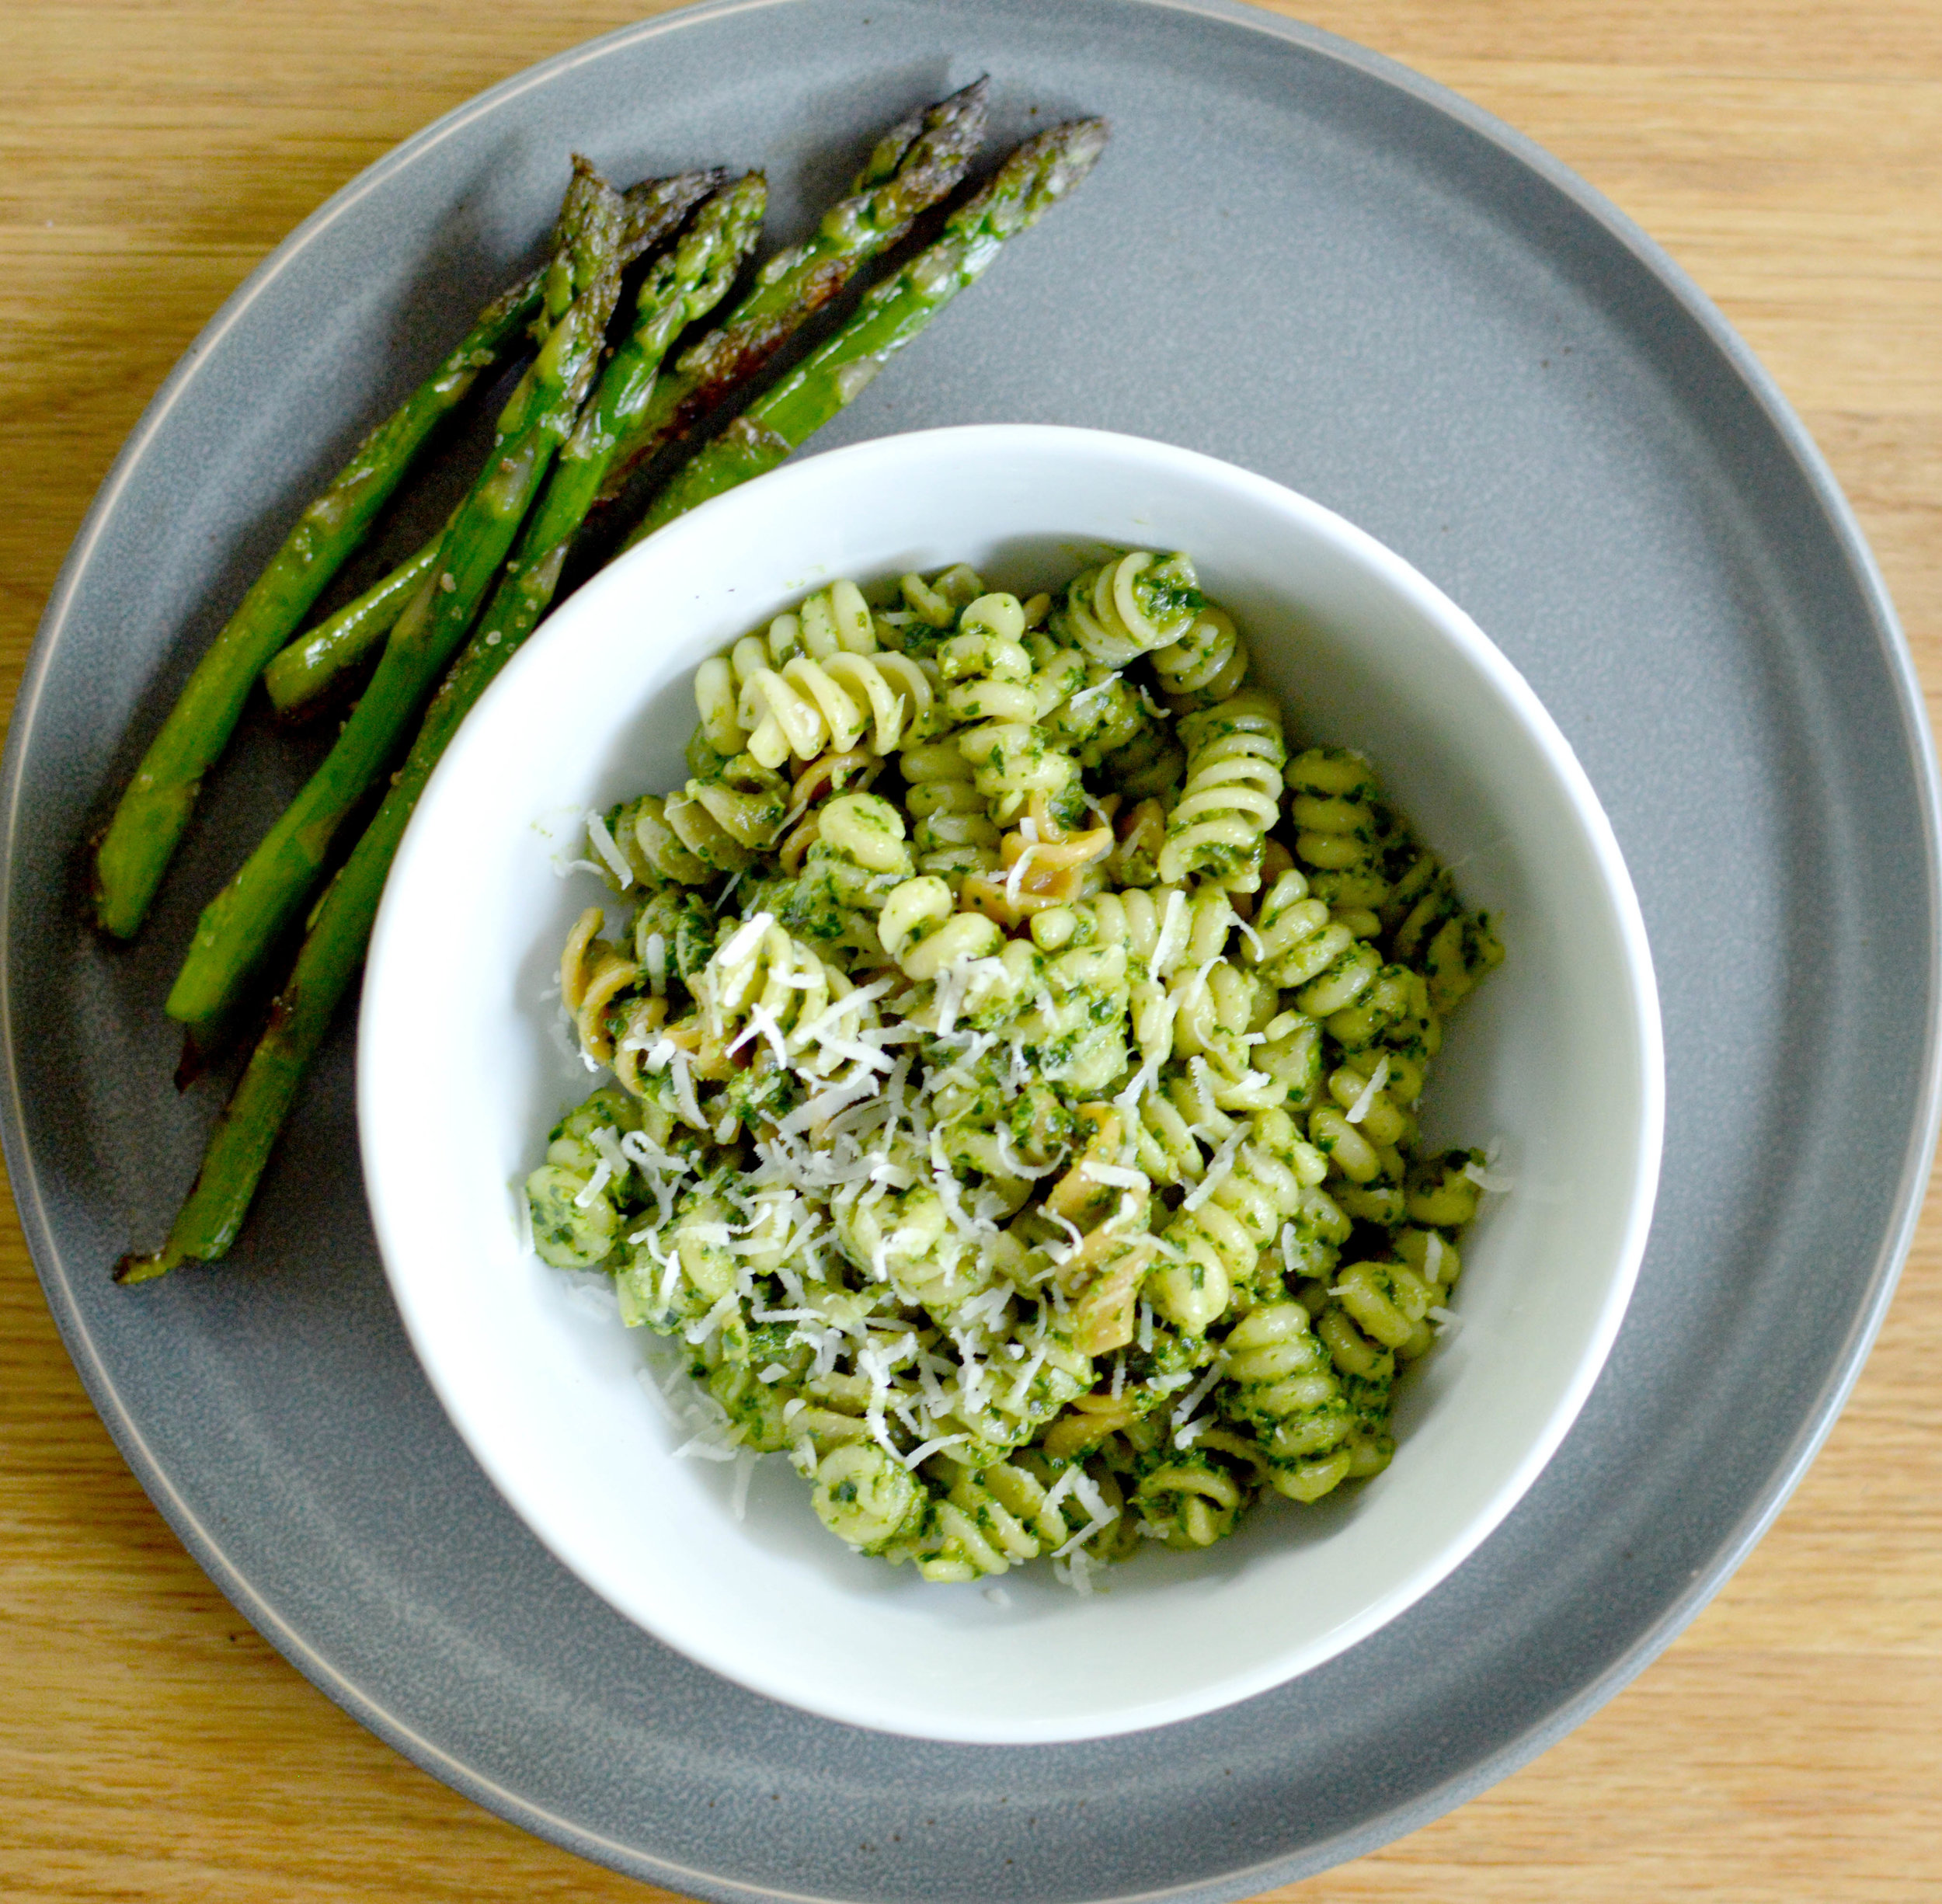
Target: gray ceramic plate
(1295, 256)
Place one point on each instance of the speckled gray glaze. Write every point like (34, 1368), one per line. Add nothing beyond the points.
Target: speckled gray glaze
(1296, 256)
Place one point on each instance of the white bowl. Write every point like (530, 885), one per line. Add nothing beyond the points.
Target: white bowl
(1556, 1062)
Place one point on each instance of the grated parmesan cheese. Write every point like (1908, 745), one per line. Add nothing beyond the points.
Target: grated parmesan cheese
(603, 1175)
(924, 1450)
(1171, 940)
(743, 939)
(1017, 872)
(1182, 1415)
(745, 1461)
(1366, 1096)
(1219, 1170)
(603, 844)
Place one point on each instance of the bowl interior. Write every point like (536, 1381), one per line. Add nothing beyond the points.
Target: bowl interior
(1554, 1063)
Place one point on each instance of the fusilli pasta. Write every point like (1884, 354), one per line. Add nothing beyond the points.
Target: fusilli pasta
(1018, 1060)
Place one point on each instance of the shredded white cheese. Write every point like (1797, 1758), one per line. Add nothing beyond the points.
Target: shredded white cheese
(1366, 1096)
(603, 1174)
(604, 845)
(1219, 1170)
(745, 1461)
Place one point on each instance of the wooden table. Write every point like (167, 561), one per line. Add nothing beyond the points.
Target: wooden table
(1788, 1748)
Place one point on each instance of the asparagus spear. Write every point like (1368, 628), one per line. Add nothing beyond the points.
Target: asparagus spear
(240, 927)
(303, 670)
(916, 163)
(1033, 178)
(684, 286)
(140, 839)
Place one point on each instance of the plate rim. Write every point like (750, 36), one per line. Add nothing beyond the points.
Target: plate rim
(1819, 1418)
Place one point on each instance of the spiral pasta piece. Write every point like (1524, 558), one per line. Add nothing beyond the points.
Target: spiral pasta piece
(724, 819)
(1212, 1009)
(1297, 943)
(937, 603)
(865, 1496)
(1282, 1384)
(923, 930)
(576, 1222)
(990, 694)
(1213, 1243)
(1103, 723)
(1162, 929)
(904, 1237)
(1341, 828)
(1220, 825)
(690, 1269)
(1378, 1314)
(952, 832)
(1187, 1498)
(1389, 1302)
(1101, 1274)
(816, 680)
(652, 849)
(1008, 1407)
(1205, 666)
(1164, 1147)
(849, 701)
(836, 620)
(1392, 1015)
(1002, 1141)
(763, 984)
(995, 1517)
(592, 976)
(1129, 606)
(856, 860)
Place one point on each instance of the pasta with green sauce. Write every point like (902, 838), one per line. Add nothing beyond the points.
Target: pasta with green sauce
(1017, 1054)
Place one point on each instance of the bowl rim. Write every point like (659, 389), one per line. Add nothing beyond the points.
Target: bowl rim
(855, 462)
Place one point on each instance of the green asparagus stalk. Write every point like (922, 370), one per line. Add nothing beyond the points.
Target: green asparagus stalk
(684, 286)
(302, 671)
(1033, 178)
(240, 927)
(140, 839)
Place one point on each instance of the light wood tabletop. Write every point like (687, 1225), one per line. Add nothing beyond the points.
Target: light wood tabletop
(1787, 1748)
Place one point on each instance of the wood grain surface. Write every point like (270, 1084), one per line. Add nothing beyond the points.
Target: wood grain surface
(1788, 1748)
